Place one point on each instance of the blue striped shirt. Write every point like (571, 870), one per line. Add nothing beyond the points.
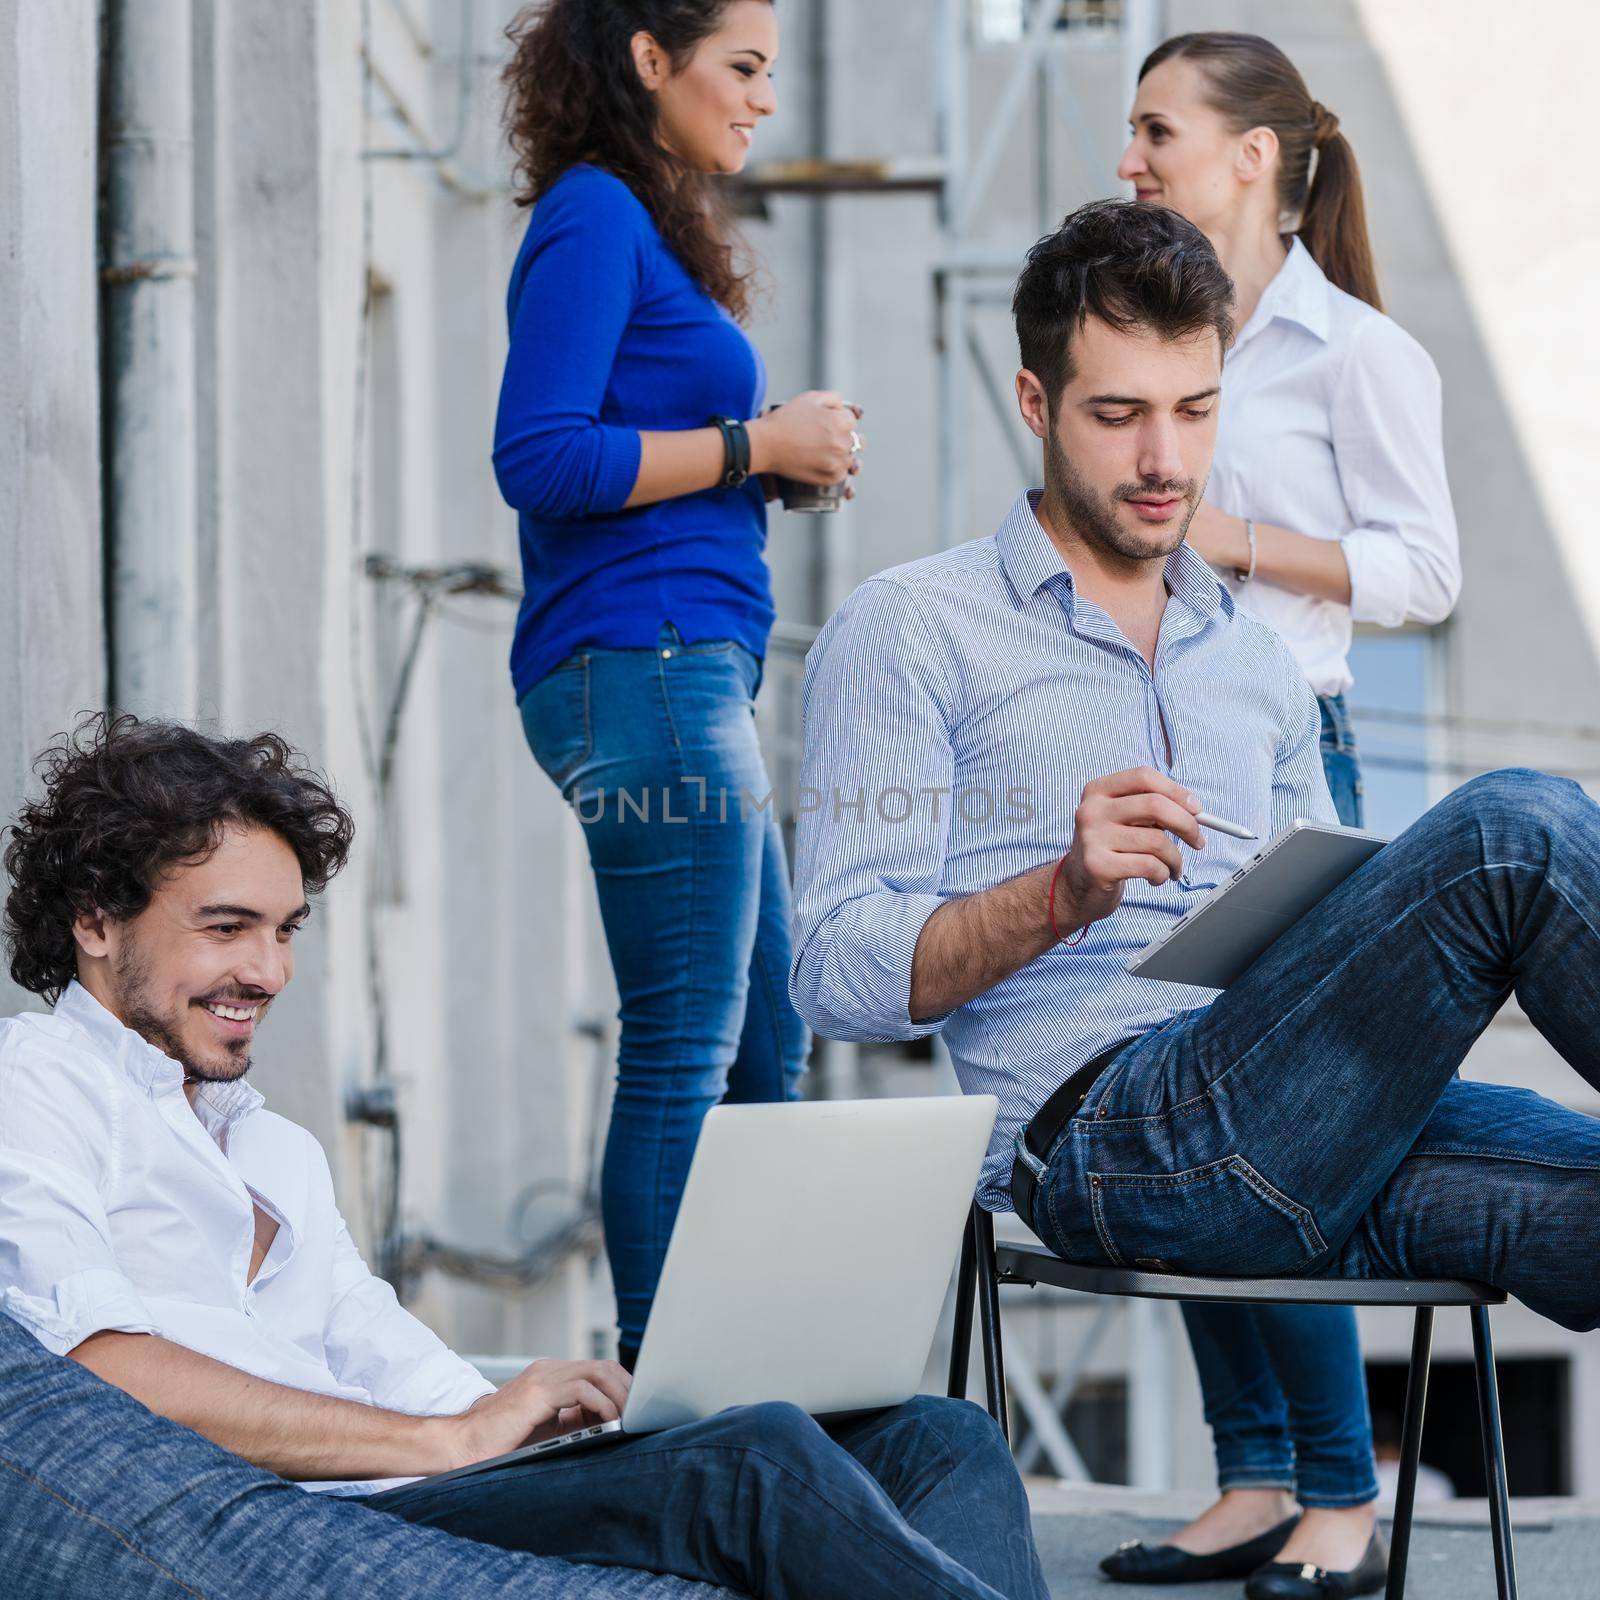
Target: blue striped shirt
(955, 708)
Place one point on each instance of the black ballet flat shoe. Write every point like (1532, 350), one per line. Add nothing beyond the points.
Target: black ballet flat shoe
(1137, 1562)
(1290, 1580)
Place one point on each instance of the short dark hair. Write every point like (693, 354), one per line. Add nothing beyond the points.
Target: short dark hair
(126, 799)
(1127, 262)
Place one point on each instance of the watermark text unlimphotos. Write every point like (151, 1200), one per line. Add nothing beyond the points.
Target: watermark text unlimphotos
(694, 799)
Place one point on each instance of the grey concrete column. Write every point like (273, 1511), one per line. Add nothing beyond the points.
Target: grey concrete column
(149, 349)
(52, 624)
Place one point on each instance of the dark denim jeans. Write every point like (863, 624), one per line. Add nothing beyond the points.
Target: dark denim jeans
(1285, 1392)
(1310, 1120)
(101, 1500)
(922, 1502)
(656, 751)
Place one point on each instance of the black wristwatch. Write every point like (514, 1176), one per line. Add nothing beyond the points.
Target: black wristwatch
(735, 451)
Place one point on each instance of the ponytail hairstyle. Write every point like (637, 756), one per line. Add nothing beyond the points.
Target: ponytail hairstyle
(573, 94)
(1253, 84)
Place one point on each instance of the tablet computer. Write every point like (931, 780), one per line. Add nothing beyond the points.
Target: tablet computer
(1218, 937)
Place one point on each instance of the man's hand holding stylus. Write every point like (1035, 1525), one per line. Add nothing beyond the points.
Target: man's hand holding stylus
(1126, 826)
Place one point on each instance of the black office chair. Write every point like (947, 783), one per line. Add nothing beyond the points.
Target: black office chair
(984, 1268)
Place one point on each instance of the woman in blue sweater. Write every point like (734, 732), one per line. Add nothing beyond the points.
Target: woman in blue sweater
(630, 442)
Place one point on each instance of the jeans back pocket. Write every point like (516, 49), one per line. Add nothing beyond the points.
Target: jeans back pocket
(557, 721)
(1223, 1218)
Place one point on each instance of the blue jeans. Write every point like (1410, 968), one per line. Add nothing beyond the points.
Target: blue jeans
(1284, 1389)
(1310, 1119)
(656, 751)
(1341, 761)
(101, 1500)
(921, 1502)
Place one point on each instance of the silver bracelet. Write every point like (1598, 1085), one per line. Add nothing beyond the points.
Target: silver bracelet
(1250, 572)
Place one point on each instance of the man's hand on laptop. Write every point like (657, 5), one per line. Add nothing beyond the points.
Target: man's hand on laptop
(546, 1398)
(1123, 829)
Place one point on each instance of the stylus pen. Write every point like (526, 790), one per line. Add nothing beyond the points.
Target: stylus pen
(1222, 825)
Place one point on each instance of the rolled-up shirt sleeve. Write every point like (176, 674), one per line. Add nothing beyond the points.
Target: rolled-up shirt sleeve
(1388, 443)
(373, 1342)
(58, 1273)
(869, 858)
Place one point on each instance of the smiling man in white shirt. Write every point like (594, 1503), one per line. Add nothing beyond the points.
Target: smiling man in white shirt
(161, 1227)
(157, 1223)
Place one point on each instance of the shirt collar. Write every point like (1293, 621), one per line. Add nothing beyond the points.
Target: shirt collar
(1028, 555)
(149, 1068)
(1298, 293)
(1030, 560)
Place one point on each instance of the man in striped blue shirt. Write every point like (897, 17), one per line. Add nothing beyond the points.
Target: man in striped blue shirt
(1006, 747)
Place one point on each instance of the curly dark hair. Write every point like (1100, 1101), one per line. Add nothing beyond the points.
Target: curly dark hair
(1127, 263)
(573, 95)
(124, 800)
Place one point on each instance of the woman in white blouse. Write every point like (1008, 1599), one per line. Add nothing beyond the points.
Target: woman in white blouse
(1327, 505)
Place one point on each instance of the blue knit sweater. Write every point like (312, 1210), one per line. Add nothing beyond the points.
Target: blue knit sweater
(609, 336)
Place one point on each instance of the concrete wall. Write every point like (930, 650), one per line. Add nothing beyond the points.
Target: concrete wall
(320, 439)
(52, 624)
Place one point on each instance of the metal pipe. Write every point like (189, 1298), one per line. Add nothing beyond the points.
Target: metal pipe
(1002, 119)
(444, 156)
(818, 373)
(1065, 1380)
(1141, 33)
(149, 357)
(950, 109)
(1005, 414)
(1150, 1394)
(840, 1077)
(1047, 1434)
(468, 185)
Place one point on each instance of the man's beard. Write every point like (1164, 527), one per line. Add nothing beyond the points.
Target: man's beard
(136, 1009)
(1092, 516)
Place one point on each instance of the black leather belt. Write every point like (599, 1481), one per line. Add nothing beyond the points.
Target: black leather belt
(1038, 1139)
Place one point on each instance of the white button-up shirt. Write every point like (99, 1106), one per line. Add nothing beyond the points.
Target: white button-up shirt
(1331, 425)
(122, 1208)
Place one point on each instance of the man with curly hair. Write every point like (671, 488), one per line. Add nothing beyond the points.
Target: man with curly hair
(163, 1229)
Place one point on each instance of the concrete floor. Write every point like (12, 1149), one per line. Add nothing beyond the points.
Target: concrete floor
(1557, 1544)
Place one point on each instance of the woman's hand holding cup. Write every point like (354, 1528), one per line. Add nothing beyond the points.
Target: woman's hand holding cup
(812, 439)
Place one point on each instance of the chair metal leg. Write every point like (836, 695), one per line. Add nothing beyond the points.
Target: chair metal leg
(994, 1366)
(1410, 1450)
(1494, 1456)
(961, 1329)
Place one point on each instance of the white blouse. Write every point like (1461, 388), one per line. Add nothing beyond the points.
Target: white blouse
(1331, 426)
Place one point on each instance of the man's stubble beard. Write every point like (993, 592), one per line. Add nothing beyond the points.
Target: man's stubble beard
(1091, 516)
(131, 973)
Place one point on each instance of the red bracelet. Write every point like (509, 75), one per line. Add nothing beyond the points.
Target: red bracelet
(1077, 938)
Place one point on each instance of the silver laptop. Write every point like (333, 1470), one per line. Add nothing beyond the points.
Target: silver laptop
(808, 1263)
(1217, 938)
